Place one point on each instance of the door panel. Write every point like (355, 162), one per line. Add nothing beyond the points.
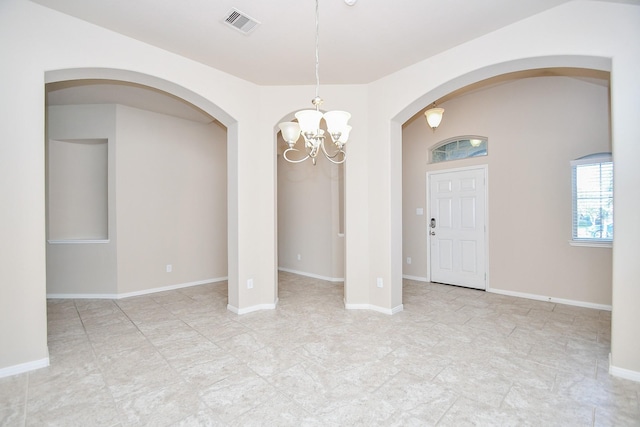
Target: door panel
(457, 203)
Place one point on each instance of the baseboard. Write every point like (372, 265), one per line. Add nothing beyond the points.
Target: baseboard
(391, 311)
(551, 299)
(251, 309)
(626, 374)
(314, 276)
(24, 367)
(416, 278)
(136, 293)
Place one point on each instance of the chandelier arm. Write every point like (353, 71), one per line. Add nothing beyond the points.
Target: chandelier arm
(291, 160)
(331, 157)
(338, 162)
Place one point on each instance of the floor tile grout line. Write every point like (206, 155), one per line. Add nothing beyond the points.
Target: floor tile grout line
(563, 371)
(121, 416)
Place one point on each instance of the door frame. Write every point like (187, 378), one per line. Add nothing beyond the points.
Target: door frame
(485, 169)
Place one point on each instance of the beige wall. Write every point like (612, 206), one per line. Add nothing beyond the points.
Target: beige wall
(535, 127)
(308, 219)
(84, 267)
(168, 181)
(171, 200)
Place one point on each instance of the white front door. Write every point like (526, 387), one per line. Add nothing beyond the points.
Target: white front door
(457, 227)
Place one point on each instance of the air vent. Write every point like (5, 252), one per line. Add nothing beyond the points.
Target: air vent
(241, 21)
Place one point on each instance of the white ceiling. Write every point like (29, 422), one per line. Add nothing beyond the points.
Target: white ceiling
(358, 44)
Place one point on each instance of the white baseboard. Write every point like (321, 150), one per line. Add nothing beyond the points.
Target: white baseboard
(391, 311)
(135, 293)
(314, 276)
(251, 309)
(551, 299)
(627, 374)
(416, 278)
(24, 367)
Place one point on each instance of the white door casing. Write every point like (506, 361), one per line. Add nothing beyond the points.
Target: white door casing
(457, 240)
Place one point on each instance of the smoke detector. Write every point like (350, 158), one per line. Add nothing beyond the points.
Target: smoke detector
(350, 2)
(240, 21)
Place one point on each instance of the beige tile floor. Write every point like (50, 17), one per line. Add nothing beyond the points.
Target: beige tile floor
(453, 357)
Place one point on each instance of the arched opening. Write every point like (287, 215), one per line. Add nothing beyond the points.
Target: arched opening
(166, 179)
(539, 124)
(310, 219)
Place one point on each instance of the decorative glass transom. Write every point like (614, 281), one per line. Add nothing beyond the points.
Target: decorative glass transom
(461, 147)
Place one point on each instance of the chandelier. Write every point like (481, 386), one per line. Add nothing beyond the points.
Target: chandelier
(308, 125)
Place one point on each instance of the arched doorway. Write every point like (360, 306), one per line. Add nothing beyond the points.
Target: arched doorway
(189, 113)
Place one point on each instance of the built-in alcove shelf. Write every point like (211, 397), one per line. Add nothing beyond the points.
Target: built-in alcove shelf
(77, 242)
(77, 191)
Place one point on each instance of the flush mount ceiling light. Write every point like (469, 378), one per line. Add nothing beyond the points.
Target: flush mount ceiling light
(434, 116)
(308, 125)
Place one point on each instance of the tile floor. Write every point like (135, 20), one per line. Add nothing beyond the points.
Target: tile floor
(453, 357)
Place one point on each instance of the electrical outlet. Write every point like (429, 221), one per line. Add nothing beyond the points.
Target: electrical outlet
(169, 268)
(379, 282)
(250, 284)
(408, 260)
(299, 257)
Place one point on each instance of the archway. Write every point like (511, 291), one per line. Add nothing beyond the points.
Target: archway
(471, 79)
(184, 95)
(310, 215)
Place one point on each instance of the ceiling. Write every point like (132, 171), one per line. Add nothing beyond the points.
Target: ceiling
(358, 44)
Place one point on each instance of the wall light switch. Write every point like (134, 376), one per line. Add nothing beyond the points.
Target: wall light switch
(379, 282)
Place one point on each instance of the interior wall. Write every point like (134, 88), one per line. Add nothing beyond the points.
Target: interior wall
(171, 200)
(535, 127)
(168, 206)
(75, 267)
(308, 218)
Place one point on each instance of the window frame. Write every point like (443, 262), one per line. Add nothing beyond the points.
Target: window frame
(592, 159)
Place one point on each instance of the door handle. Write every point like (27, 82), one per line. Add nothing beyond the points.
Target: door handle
(433, 223)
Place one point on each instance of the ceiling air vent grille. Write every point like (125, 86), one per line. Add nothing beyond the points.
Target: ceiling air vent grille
(241, 21)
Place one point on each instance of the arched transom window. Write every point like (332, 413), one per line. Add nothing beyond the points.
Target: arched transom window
(460, 147)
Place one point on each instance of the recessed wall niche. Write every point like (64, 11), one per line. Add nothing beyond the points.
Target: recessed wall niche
(77, 190)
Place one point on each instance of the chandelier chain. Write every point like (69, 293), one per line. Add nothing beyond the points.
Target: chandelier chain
(317, 51)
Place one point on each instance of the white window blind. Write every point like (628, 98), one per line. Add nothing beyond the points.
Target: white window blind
(592, 195)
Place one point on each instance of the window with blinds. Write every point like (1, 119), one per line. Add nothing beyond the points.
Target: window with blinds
(592, 195)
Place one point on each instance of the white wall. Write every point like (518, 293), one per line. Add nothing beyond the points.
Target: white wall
(535, 127)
